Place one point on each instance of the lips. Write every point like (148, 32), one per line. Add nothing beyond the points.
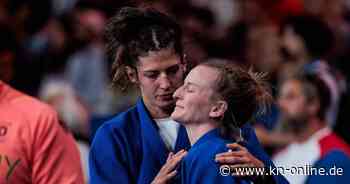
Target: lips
(166, 96)
(179, 106)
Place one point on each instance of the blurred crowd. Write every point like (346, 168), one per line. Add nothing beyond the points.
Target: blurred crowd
(55, 50)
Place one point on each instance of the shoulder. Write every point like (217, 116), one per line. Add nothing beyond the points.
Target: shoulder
(335, 157)
(199, 165)
(203, 156)
(122, 128)
(33, 112)
(26, 103)
(332, 142)
(335, 164)
(121, 122)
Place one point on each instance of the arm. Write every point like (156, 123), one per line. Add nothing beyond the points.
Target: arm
(255, 156)
(55, 156)
(105, 164)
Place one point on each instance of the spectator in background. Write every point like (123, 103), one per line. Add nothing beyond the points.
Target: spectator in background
(87, 69)
(307, 42)
(60, 95)
(304, 100)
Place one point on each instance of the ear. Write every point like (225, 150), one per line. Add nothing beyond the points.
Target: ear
(218, 110)
(132, 74)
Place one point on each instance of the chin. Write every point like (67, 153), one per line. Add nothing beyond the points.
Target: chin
(175, 117)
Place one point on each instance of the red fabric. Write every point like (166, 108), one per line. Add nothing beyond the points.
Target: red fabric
(280, 9)
(333, 142)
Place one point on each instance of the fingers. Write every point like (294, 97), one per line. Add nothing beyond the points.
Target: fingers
(180, 153)
(165, 178)
(170, 155)
(168, 170)
(231, 154)
(235, 146)
(170, 175)
(232, 160)
(240, 166)
(173, 161)
(176, 159)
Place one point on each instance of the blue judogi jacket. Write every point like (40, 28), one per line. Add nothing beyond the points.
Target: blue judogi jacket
(199, 165)
(332, 162)
(129, 149)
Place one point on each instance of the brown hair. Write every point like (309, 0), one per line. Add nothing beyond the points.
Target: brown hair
(133, 32)
(246, 93)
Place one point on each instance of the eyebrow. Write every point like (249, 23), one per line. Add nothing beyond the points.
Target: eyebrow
(169, 68)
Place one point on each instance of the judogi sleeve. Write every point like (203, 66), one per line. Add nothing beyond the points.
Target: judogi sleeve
(254, 147)
(105, 163)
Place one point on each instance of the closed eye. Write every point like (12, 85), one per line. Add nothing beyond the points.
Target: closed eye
(189, 88)
(151, 74)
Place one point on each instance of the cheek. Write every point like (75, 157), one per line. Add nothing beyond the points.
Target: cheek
(297, 107)
(147, 86)
(197, 105)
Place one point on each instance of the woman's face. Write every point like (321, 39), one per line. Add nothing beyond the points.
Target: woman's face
(159, 74)
(194, 99)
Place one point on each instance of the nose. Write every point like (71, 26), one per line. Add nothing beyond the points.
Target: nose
(177, 93)
(164, 82)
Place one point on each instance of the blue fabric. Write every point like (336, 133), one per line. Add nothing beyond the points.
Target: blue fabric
(334, 159)
(199, 165)
(252, 144)
(129, 149)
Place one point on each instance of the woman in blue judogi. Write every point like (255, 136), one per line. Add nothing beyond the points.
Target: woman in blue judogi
(216, 99)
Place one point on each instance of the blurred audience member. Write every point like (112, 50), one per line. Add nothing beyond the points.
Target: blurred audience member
(304, 100)
(60, 95)
(87, 69)
(307, 41)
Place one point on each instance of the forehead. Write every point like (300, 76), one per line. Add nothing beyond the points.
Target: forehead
(202, 76)
(159, 60)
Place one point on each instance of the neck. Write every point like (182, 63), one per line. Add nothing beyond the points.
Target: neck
(197, 130)
(313, 125)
